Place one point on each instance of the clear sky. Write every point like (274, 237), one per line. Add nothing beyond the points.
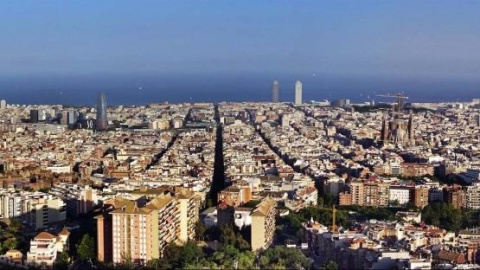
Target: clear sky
(346, 38)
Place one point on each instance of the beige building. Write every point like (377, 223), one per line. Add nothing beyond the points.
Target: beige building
(188, 206)
(376, 194)
(369, 193)
(421, 196)
(358, 192)
(263, 224)
(141, 232)
(135, 232)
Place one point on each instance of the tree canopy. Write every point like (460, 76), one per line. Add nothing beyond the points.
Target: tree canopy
(86, 248)
(281, 257)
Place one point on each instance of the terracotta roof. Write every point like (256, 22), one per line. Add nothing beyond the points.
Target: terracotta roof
(44, 236)
(450, 256)
(264, 207)
(160, 201)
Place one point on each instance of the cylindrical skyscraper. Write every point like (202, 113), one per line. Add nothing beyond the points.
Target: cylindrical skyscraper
(275, 92)
(298, 93)
(102, 122)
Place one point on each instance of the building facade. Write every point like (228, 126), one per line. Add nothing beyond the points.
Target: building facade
(263, 225)
(298, 93)
(102, 121)
(36, 209)
(275, 92)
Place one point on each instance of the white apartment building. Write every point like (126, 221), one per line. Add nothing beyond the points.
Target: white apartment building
(242, 217)
(79, 199)
(37, 209)
(399, 194)
(60, 169)
(44, 249)
(473, 196)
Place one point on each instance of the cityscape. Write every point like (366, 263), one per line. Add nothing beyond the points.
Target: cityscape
(239, 135)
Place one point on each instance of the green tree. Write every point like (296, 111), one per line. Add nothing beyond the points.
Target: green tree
(200, 230)
(180, 256)
(160, 263)
(212, 233)
(230, 257)
(62, 261)
(15, 226)
(328, 200)
(443, 215)
(228, 236)
(86, 248)
(283, 257)
(204, 264)
(190, 253)
(241, 243)
(330, 265)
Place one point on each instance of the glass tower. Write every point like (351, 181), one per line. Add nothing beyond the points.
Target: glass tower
(102, 122)
(275, 91)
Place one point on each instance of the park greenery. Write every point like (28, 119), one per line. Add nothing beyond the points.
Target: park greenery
(227, 248)
(62, 261)
(447, 217)
(86, 248)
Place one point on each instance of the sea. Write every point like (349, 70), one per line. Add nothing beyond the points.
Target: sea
(125, 89)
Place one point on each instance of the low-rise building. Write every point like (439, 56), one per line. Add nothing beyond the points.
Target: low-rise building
(44, 249)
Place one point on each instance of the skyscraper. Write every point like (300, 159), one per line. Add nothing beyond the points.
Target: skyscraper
(72, 117)
(3, 104)
(275, 92)
(102, 122)
(34, 116)
(298, 93)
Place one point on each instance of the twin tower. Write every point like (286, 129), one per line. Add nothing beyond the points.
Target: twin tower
(298, 92)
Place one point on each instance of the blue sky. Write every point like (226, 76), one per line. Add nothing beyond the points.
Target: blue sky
(401, 39)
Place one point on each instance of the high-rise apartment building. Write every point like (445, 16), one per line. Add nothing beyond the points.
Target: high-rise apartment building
(79, 199)
(72, 117)
(421, 196)
(263, 224)
(3, 104)
(42, 115)
(135, 232)
(102, 121)
(455, 196)
(275, 92)
(189, 214)
(140, 230)
(298, 93)
(370, 193)
(376, 194)
(473, 196)
(64, 118)
(358, 192)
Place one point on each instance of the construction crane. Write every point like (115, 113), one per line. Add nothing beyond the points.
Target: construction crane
(399, 98)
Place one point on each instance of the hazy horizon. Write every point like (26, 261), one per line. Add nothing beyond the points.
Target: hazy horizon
(144, 89)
